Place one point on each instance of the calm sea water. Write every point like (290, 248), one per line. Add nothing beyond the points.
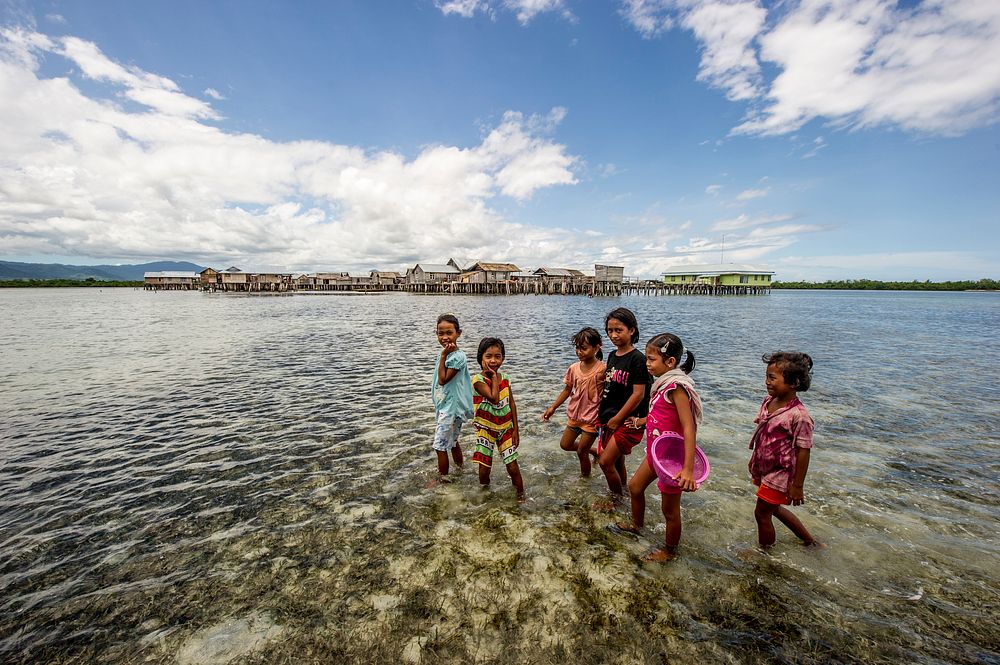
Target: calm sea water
(201, 478)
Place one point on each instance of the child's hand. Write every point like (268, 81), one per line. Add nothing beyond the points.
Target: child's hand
(685, 479)
(614, 423)
(796, 494)
(548, 414)
(449, 348)
(517, 437)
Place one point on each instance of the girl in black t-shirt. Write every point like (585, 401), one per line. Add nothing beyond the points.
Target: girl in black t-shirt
(626, 394)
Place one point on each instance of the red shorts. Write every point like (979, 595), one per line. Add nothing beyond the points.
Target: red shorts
(773, 496)
(627, 438)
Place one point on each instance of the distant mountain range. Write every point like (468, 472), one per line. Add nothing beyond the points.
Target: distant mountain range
(15, 270)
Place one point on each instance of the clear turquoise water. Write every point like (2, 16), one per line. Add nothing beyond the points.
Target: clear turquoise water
(191, 477)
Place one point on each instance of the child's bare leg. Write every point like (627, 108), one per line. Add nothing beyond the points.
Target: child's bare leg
(620, 467)
(608, 461)
(484, 475)
(568, 440)
(584, 451)
(671, 505)
(788, 518)
(456, 454)
(762, 512)
(515, 477)
(637, 492)
(442, 462)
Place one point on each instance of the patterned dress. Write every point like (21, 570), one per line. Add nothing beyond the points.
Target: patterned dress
(494, 425)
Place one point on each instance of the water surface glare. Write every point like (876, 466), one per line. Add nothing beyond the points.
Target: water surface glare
(199, 478)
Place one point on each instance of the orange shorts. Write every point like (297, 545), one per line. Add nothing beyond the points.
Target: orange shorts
(773, 496)
(581, 427)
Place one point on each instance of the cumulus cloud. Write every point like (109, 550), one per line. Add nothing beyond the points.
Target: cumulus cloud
(932, 68)
(139, 174)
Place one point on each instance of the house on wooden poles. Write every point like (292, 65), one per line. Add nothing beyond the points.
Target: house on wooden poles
(718, 279)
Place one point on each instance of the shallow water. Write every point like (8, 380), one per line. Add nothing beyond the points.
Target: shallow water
(191, 477)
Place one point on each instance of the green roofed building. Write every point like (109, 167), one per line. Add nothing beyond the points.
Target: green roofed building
(719, 279)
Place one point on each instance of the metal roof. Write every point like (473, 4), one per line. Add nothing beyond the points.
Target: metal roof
(174, 274)
(434, 267)
(718, 269)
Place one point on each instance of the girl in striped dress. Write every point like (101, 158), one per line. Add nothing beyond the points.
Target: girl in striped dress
(496, 415)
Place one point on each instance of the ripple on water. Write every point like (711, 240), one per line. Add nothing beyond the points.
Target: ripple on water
(195, 478)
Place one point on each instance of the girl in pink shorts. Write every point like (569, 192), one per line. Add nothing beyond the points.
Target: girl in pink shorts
(674, 406)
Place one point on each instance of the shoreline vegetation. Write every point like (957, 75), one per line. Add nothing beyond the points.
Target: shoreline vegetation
(877, 285)
(830, 285)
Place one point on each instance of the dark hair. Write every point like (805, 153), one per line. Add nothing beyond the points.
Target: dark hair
(450, 318)
(589, 336)
(487, 343)
(671, 346)
(626, 317)
(795, 367)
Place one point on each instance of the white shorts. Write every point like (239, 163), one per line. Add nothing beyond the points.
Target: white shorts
(447, 431)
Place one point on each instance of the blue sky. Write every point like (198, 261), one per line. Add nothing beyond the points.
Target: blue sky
(819, 138)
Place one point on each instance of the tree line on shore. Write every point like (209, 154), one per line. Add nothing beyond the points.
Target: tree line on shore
(90, 281)
(878, 285)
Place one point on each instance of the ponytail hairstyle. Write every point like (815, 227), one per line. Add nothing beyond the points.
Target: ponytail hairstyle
(591, 337)
(795, 367)
(627, 318)
(670, 346)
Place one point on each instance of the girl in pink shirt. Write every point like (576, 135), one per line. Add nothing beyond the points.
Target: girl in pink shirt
(674, 406)
(584, 383)
(781, 445)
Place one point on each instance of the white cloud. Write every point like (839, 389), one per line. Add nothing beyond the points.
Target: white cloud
(214, 94)
(945, 264)
(750, 194)
(524, 10)
(89, 176)
(648, 17)
(745, 221)
(933, 67)
(713, 190)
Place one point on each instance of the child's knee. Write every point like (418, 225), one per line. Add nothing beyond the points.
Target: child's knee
(762, 512)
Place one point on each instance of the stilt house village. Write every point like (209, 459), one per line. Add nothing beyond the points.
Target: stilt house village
(479, 277)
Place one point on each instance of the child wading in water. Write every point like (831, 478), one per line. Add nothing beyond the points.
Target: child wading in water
(496, 415)
(626, 392)
(673, 407)
(452, 393)
(584, 385)
(781, 446)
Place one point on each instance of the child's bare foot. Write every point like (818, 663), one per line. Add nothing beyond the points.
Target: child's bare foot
(814, 544)
(604, 506)
(659, 556)
(622, 529)
(627, 526)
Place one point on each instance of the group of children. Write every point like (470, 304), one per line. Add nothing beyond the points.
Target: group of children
(614, 403)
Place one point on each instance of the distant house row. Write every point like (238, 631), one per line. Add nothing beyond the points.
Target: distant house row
(478, 277)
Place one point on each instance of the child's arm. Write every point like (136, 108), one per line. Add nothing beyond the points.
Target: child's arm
(681, 400)
(489, 387)
(795, 491)
(513, 413)
(556, 404)
(638, 394)
(446, 374)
